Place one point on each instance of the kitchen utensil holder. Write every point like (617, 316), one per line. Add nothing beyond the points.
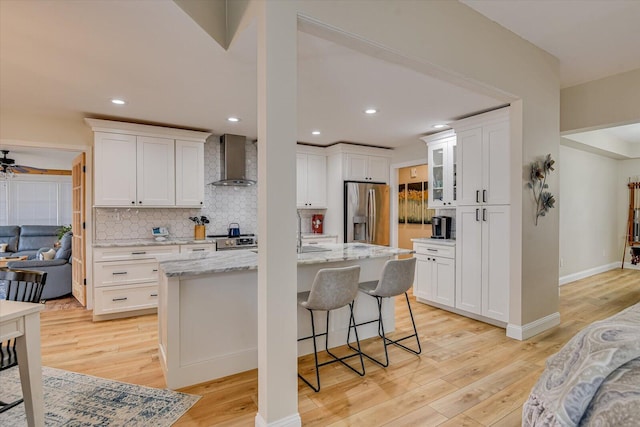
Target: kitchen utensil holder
(199, 232)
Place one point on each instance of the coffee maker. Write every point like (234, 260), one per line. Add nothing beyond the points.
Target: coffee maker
(441, 227)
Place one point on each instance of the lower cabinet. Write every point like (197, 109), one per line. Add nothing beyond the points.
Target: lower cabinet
(125, 279)
(308, 240)
(482, 282)
(435, 273)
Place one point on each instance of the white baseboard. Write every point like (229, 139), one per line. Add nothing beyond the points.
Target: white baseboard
(630, 266)
(525, 332)
(590, 272)
(290, 421)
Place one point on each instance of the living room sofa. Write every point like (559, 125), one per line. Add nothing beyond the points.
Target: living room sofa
(58, 269)
(27, 239)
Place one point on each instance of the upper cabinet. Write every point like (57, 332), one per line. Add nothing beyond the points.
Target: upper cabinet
(441, 154)
(484, 159)
(363, 167)
(147, 166)
(311, 173)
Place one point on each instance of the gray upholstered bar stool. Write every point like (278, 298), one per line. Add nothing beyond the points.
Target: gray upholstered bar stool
(396, 279)
(332, 288)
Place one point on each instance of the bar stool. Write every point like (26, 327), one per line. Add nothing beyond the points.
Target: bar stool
(396, 279)
(332, 288)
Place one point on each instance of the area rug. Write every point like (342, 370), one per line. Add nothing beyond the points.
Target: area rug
(72, 399)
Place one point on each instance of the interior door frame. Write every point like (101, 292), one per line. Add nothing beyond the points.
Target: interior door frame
(393, 195)
(88, 152)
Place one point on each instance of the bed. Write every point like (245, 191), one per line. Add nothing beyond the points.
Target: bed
(594, 380)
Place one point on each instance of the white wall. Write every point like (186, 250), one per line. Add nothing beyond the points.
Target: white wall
(588, 211)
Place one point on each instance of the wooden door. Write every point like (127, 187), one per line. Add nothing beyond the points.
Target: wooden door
(78, 182)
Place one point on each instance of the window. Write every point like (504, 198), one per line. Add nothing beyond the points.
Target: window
(40, 200)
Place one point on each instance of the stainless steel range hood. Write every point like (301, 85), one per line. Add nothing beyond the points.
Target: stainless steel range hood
(233, 162)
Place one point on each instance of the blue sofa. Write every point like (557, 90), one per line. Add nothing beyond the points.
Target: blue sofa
(27, 239)
(58, 269)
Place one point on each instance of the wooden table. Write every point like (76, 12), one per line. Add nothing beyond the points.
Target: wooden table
(21, 320)
(5, 260)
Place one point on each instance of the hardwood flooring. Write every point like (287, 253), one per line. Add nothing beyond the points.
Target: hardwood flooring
(469, 373)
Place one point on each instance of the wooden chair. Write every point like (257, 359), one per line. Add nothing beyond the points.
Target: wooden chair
(24, 286)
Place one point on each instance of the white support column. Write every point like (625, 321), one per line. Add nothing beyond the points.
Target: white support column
(277, 266)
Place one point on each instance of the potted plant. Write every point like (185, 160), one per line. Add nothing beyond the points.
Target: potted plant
(61, 232)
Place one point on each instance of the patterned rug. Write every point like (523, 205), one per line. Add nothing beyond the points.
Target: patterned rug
(73, 399)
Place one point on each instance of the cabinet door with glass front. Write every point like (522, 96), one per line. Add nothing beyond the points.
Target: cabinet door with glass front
(442, 173)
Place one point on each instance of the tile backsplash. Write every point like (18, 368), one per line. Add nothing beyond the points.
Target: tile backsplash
(223, 205)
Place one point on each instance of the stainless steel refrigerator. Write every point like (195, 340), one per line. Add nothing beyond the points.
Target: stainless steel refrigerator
(366, 213)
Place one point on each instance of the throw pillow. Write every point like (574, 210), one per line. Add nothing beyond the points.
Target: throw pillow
(47, 255)
(3, 247)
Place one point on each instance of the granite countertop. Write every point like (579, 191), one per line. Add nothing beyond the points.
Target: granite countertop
(149, 242)
(315, 235)
(443, 242)
(198, 263)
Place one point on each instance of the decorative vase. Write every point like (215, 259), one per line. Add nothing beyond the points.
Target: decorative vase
(199, 232)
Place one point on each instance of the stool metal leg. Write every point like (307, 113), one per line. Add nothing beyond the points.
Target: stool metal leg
(352, 324)
(386, 341)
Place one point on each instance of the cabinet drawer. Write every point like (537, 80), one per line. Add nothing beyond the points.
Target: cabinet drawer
(114, 299)
(132, 252)
(204, 247)
(435, 250)
(125, 272)
(318, 240)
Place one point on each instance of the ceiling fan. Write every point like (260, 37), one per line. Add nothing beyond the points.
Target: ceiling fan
(8, 168)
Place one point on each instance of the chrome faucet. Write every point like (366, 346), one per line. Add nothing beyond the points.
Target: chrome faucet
(299, 246)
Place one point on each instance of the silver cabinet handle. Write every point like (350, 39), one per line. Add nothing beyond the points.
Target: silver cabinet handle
(484, 214)
(477, 214)
(477, 196)
(484, 196)
(119, 299)
(116, 273)
(432, 250)
(154, 295)
(197, 250)
(138, 253)
(155, 270)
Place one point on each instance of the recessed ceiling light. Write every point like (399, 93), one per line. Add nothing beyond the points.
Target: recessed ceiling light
(118, 101)
(370, 111)
(439, 126)
(315, 132)
(233, 119)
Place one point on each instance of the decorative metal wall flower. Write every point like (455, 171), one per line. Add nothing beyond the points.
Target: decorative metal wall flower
(538, 184)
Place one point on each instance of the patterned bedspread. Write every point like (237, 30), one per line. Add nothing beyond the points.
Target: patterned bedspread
(594, 380)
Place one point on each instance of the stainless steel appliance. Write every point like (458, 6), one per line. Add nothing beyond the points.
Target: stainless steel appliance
(233, 169)
(366, 212)
(243, 241)
(441, 227)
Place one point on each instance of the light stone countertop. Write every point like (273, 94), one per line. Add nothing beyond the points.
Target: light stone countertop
(149, 242)
(443, 242)
(315, 235)
(199, 263)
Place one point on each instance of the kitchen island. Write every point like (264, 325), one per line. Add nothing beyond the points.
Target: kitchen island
(207, 308)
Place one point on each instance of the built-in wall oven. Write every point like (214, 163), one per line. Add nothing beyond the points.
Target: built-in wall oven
(226, 243)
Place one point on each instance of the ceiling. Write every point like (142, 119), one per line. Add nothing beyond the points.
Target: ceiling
(68, 59)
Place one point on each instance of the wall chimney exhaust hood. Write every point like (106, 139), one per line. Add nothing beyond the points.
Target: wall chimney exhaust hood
(233, 162)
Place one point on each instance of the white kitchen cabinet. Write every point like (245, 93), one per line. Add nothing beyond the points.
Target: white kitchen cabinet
(189, 173)
(155, 171)
(482, 256)
(317, 240)
(311, 173)
(198, 247)
(362, 167)
(484, 160)
(147, 166)
(435, 273)
(442, 165)
(125, 279)
(114, 169)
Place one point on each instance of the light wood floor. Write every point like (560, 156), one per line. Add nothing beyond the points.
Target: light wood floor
(469, 373)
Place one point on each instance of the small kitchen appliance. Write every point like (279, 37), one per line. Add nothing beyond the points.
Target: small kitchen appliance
(233, 230)
(242, 241)
(316, 223)
(441, 227)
